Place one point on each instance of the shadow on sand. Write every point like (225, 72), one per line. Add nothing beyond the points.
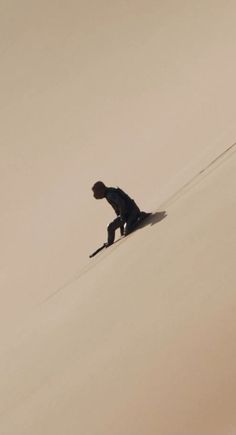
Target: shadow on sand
(153, 219)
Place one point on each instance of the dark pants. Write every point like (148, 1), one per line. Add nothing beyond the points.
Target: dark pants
(129, 223)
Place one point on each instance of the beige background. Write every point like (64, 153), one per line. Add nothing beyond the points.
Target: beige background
(141, 339)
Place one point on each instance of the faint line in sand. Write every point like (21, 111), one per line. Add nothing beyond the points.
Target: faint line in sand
(222, 156)
(81, 273)
(172, 198)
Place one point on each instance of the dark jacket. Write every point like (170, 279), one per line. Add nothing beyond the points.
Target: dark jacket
(121, 202)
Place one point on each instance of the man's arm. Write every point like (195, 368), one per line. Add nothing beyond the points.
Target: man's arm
(118, 204)
(122, 207)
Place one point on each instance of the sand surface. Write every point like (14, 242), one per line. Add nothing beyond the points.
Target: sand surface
(140, 339)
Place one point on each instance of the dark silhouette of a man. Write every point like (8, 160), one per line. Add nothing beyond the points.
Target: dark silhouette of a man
(127, 212)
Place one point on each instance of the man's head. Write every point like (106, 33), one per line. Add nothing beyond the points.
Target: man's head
(99, 190)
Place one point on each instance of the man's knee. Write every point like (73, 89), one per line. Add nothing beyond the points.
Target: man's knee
(111, 227)
(114, 224)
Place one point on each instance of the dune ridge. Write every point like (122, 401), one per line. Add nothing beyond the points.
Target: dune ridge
(170, 322)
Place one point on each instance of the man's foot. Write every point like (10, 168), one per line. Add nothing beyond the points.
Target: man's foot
(143, 215)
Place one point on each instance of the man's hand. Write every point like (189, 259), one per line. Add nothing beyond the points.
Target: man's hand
(106, 245)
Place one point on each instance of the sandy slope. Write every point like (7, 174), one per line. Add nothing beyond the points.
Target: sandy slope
(143, 341)
(142, 338)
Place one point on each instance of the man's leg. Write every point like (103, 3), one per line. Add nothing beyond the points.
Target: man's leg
(122, 230)
(111, 229)
(132, 221)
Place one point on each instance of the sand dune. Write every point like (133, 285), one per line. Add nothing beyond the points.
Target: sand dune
(140, 339)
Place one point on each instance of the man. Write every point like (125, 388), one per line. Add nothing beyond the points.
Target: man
(127, 211)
